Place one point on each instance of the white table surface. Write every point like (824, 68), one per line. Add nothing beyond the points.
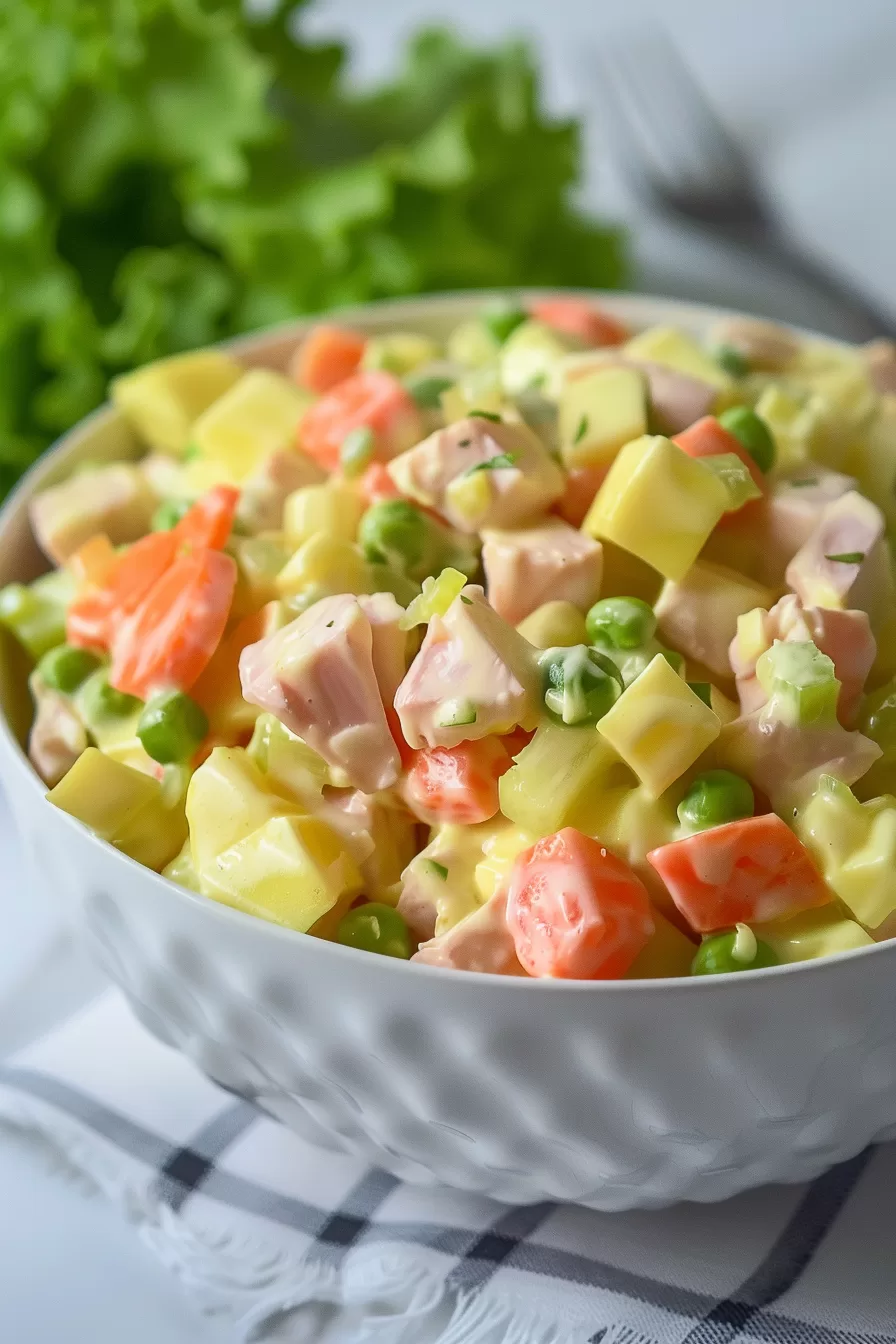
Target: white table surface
(807, 84)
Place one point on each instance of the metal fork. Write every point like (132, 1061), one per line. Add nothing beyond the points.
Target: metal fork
(681, 160)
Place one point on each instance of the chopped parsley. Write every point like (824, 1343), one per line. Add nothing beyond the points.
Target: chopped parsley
(439, 869)
(191, 453)
(493, 463)
(464, 443)
(848, 557)
(808, 480)
(330, 624)
(581, 430)
(467, 601)
(486, 415)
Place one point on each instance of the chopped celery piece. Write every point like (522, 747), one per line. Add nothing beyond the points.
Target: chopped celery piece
(734, 474)
(435, 598)
(291, 767)
(34, 615)
(456, 714)
(800, 683)
(554, 774)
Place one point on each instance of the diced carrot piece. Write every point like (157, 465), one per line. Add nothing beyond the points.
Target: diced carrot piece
(578, 317)
(458, 784)
(94, 560)
(575, 910)
(95, 615)
(327, 356)
(171, 637)
(208, 522)
(582, 484)
(376, 484)
(743, 872)
(371, 398)
(707, 438)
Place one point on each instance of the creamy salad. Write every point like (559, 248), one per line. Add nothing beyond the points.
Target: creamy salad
(552, 650)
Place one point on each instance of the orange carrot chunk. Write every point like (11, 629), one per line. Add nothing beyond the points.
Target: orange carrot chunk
(170, 639)
(208, 522)
(575, 910)
(327, 356)
(582, 484)
(743, 872)
(371, 398)
(97, 612)
(458, 784)
(578, 317)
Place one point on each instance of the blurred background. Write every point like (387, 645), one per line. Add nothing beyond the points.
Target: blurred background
(173, 171)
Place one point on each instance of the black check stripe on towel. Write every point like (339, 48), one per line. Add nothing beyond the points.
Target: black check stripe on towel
(510, 1240)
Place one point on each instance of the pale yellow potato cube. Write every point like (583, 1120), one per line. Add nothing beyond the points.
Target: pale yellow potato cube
(228, 798)
(815, 933)
(291, 871)
(659, 504)
(659, 726)
(554, 625)
(333, 508)
(164, 399)
(668, 953)
(677, 350)
(255, 418)
(600, 412)
(327, 562)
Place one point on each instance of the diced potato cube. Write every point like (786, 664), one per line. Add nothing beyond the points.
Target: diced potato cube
(794, 425)
(399, 352)
(163, 400)
(499, 850)
(659, 726)
(553, 625)
(333, 508)
(815, 933)
(677, 350)
(600, 412)
(291, 871)
(854, 845)
(531, 358)
(127, 808)
(252, 420)
(228, 798)
(326, 562)
(559, 769)
(669, 952)
(659, 504)
(115, 500)
(477, 390)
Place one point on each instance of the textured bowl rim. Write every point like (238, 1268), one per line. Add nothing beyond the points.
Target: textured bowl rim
(628, 307)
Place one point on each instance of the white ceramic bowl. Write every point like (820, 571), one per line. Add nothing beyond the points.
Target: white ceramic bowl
(616, 1095)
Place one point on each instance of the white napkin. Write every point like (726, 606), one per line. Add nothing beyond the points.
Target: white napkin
(285, 1242)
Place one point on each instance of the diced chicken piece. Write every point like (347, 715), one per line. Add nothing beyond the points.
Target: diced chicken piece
(880, 357)
(116, 500)
(480, 473)
(390, 642)
(549, 563)
(845, 636)
(698, 615)
(379, 834)
(784, 760)
(676, 399)
(845, 562)
(58, 737)
(474, 675)
(764, 345)
(480, 942)
(317, 676)
(264, 494)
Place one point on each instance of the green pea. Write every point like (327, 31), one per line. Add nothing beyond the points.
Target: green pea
(376, 928)
(64, 668)
(714, 798)
(169, 514)
(427, 389)
(880, 724)
(357, 450)
(37, 622)
(726, 953)
(171, 727)
(731, 360)
(753, 433)
(101, 701)
(393, 533)
(502, 318)
(621, 622)
(580, 684)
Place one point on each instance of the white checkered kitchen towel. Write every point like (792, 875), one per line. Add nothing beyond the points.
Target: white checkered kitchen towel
(285, 1242)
